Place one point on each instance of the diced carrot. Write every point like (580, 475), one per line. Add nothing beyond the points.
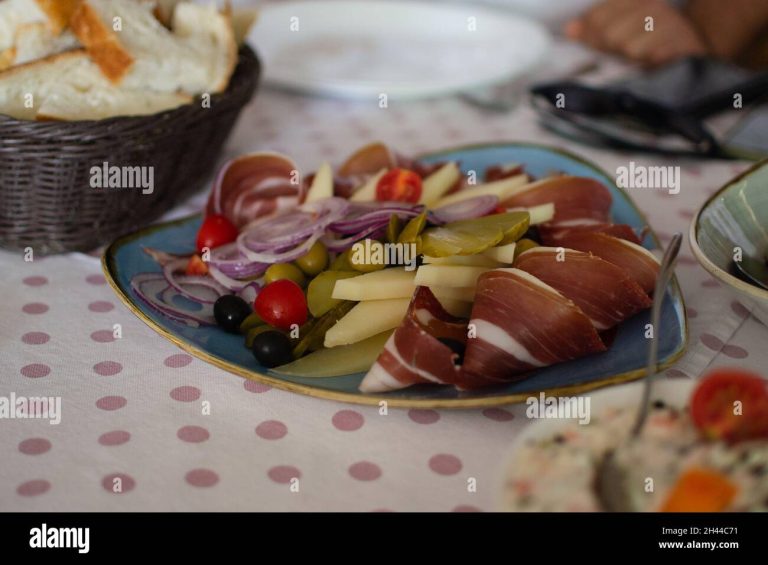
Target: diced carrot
(196, 266)
(700, 490)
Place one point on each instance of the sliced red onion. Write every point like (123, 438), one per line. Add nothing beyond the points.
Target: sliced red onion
(250, 291)
(465, 209)
(339, 245)
(207, 290)
(244, 241)
(355, 225)
(162, 258)
(153, 289)
(227, 282)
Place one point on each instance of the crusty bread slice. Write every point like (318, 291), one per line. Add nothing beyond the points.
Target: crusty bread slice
(242, 22)
(198, 56)
(164, 11)
(58, 12)
(7, 57)
(99, 103)
(14, 13)
(73, 87)
(36, 40)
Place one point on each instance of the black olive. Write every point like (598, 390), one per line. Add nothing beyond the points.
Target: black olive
(456, 346)
(230, 311)
(272, 348)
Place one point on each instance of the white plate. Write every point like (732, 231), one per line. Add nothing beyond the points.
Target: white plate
(402, 49)
(676, 393)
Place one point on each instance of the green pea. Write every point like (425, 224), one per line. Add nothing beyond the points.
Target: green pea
(315, 260)
(280, 271)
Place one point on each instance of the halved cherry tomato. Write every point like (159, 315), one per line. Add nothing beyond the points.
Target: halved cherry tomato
(732, 405)
(281, 304)
(215, 231)
(498, 210)
(400, 185)
(196, 266)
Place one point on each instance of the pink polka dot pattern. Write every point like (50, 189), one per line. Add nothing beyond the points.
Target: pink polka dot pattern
(676, 374)
(258, 388)
(445, 464)
(116, 437)
(35, 338)
(111, 403)
(33, 488)
(103, 336)
(283, 474)
(735, 352)
(710, 283)
(686, 214)
(498, 414)
(35, 281)
(466, 508)
(193, 434)
(35, 308)
(348, 420)
(202, 478)
(271, 429)
(118, 483)
(34, 446)
(692, 312)
(101, 306)
(423, 416)
(107, 368)
(177, 360)
(35, 370)
(712, 342)
(739, 309)
(687, 261)
(185, 393)
(96, 279)
(364, 471)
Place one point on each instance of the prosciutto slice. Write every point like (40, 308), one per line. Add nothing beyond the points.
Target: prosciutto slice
(604, 292)
(556, 236)
(414, 353)
(520, 323)
(577, 200)
(638, 262)
(255, 185)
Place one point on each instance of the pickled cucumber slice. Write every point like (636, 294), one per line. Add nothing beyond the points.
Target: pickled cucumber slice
(315, 337)
(320, 291)
(337, 361)
(468, 237)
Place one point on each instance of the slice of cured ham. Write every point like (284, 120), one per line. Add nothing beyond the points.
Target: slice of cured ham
(577, 200)
(637, 261)
(519, 323)
(414, 353)
(604, 292)
(255, 185)
(557, 236)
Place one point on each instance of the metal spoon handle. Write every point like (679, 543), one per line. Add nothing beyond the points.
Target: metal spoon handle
(665, 273)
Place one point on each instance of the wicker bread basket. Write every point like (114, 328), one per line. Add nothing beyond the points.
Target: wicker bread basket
(46, 198)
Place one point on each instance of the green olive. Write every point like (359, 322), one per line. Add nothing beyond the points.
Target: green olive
(280, 271)
(413, 228)
(253, 332)
(320, 289)
(524, 245)
(315, 260)
(393, 229)
(253, 320)
(341, 263)
(365, 266)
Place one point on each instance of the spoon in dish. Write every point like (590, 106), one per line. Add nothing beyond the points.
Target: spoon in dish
(611, 477)
(753, 271)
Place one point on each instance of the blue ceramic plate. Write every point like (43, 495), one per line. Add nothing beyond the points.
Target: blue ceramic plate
(624, 361)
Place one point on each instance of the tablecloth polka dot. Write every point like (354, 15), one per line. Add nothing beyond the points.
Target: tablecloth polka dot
(348, 420)
(96, 279)
(107, 368)
(466, 508)
(35, 308)
(193, 434)
(178, 360)
(185, 393)
(33, 488)
(202, 478)
(101, 306)
(35, 446)
(253, 386)
(364, 471)
(712, 342)
(498, 414)
(118, 483)
(271, 429)
(35, 338)
(35, 370)
(115, 437)
(110, 403)
(734, 351)
(445, 464)
(103, 336)
(421, 416)
(283, 474)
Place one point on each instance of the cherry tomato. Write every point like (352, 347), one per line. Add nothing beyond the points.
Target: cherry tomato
(400, 185)
(281, 304)
(215, 231)
(196, 266)
(732, 405)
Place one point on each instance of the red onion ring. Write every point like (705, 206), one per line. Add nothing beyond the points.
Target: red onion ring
(465, 209)
(214, 289)
(150, 286)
